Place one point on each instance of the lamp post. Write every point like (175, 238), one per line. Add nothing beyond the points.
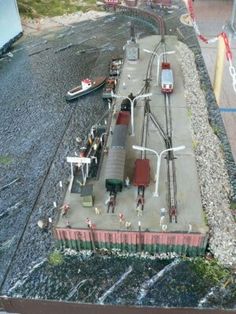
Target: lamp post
(158, 59)
(158, 161)
(132, 106)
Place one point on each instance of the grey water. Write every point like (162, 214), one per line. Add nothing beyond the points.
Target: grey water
(37, 131)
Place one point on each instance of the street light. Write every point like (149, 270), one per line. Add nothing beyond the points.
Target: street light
(132, 106)
(158, 59)
(158, 160)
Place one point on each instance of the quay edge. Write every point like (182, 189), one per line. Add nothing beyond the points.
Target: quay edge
(190, 244)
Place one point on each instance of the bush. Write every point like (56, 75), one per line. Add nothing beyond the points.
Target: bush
(210, 270)
(56, 258)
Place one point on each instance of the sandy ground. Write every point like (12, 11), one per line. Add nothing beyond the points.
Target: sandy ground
(34, 26)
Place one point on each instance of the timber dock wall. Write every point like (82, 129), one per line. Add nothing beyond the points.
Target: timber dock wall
(191, 244)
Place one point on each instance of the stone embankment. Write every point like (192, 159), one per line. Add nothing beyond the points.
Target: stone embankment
(34, 26)
(212, 172)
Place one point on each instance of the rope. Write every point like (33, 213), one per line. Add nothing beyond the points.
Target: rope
(203, 38)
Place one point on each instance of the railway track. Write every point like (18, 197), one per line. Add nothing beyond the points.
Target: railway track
(166, 133)
(171, 169)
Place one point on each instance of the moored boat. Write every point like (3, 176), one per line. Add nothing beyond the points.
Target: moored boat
(109, 88)
(87, 86)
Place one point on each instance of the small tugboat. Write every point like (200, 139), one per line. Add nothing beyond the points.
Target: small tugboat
(109, 88)
(87, 86)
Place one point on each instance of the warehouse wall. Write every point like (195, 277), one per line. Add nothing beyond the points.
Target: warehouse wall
(10, 23)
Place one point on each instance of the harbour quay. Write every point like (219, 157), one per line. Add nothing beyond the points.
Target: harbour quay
(139, 217)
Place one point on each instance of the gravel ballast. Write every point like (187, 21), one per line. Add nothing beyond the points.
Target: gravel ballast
(213, 177)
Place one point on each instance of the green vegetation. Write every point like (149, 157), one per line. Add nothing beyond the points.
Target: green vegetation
(195, 144)
(39, 8)
(55, 258)
(210, 270)
(5, 160)
(216, 130)
(233, 205)
(189, 112)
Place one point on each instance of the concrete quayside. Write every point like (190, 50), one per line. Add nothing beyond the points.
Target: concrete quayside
(128, 229)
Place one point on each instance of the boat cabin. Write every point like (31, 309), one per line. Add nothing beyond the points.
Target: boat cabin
(86, 83)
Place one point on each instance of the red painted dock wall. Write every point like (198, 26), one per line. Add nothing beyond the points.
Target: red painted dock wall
(153, 242)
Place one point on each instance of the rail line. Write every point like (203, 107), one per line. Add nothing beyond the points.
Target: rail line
(165, 134)
(171, 169)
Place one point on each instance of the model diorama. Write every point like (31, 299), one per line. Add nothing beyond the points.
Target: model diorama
(127, 188)
(142, 179)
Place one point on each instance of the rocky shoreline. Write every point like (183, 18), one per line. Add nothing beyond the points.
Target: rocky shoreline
(213, 176)
(34, 26)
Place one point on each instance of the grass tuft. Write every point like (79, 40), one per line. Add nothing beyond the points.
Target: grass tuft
(36, 9)
(55, 258)
(5, 160)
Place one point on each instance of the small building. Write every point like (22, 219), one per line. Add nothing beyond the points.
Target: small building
(10, 24)
(132, 51)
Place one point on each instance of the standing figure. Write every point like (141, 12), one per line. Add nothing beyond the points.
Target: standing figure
(121, 219)
(162, 216)
(140, 200)
(128, 225)
(89, 223)
(111, 202)
(97, 211)
(127, 182)
(139, 210)
(64, 210)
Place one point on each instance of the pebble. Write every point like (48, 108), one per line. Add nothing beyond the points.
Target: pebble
(214, 181)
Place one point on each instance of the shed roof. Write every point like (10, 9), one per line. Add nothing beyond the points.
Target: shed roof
(119, 136)
(115, 164)
(141, 172)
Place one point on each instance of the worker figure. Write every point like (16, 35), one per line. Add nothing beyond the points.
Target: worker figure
(121, 218)
(96, 143)
(139, 210)
(68, 224)
(82, 152)
(89, 223)
(190, 227)
(111, 203)
(140, 200)
(173, 212)
(97, 211)
(64, 210)
(162, 215)
(111, 131)
(92, 132)
(127, 182)
(128, 225)
(162, 212)
(162, 220)
(90, 140)
(164, 228)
